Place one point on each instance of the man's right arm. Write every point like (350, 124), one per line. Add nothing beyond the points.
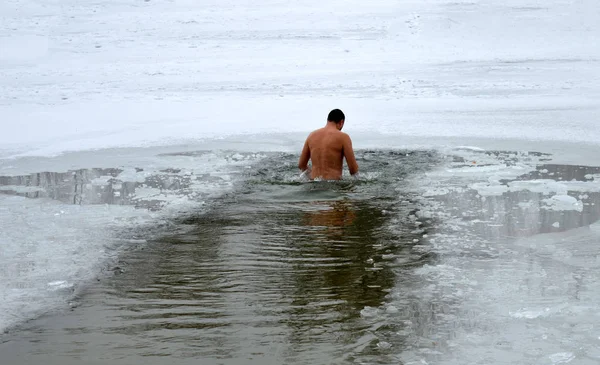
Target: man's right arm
(349, 155)
(304, 157)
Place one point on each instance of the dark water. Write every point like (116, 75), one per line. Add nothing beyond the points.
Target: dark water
(275, 272)
(375, 271)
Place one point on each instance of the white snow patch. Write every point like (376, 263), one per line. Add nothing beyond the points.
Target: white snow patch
(562, 357)
(544, 186)
(469, 148)
(486, 189)
(530, 313)
(563, 202)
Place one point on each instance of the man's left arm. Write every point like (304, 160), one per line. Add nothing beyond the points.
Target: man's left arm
(349, 155)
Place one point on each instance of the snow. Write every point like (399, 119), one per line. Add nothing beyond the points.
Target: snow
(562, 357)
(563, 202)
(107, 74)
(128, 84)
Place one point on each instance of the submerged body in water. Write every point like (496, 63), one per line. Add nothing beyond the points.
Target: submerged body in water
(327, 147)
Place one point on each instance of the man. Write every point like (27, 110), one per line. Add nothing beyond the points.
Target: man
(327, 147)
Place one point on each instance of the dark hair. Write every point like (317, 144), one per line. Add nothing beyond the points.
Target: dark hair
(336, 115)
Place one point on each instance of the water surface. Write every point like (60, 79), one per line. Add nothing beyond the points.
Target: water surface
(473, 258)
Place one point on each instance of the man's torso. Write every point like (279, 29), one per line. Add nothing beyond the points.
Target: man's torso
(326, 153)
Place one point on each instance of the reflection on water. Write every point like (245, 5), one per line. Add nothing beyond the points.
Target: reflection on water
(92, 186)
(362, 272)
(546, 200)
(109, 186)
(277, 272)
(516, 261)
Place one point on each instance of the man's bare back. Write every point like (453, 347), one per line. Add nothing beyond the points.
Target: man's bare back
(327, 147)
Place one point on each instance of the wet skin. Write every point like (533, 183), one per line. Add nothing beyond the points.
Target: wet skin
(326, 148)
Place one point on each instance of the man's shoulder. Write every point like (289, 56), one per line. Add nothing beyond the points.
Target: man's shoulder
(345, 136)
(316, 132)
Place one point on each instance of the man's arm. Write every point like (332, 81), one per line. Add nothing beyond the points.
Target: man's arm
(349, 155)
(304, 157)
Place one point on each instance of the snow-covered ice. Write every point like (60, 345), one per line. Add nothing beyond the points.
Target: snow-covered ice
(174, 99)
(109, 73)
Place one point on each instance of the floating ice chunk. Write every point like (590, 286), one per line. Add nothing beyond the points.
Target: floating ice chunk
(58, 285)
(147, 193)
(561, 357)
(424, 214)
(384, 345)
(485, 189)
(551, 186)
(436, 192)
(102, 180)
(369, 312)
(544, 186)
(530, 314)
(132, 175)
(592, 176)
(391, 309)
(563, 202)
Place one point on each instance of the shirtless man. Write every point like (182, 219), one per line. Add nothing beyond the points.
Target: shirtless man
(327, 147)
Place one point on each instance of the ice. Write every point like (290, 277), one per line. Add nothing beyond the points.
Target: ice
(515, 277)
(470, 148)
(529, 314)
(408, 71)
(384, 345)
(60, 284)
(562, 357)
(55, 246)
(131, 175)
(391, 309)
(369, 312)
(486, 189)
(540, 186)
(61, 229)
(518, 75)
(102, 180)
(563, 202)
(20, 189)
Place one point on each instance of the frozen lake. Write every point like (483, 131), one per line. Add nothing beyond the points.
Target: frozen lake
(150, 205)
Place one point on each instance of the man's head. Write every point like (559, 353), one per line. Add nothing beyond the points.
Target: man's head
(336, 116)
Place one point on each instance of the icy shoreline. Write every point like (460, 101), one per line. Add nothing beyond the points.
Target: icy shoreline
(180, 72)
